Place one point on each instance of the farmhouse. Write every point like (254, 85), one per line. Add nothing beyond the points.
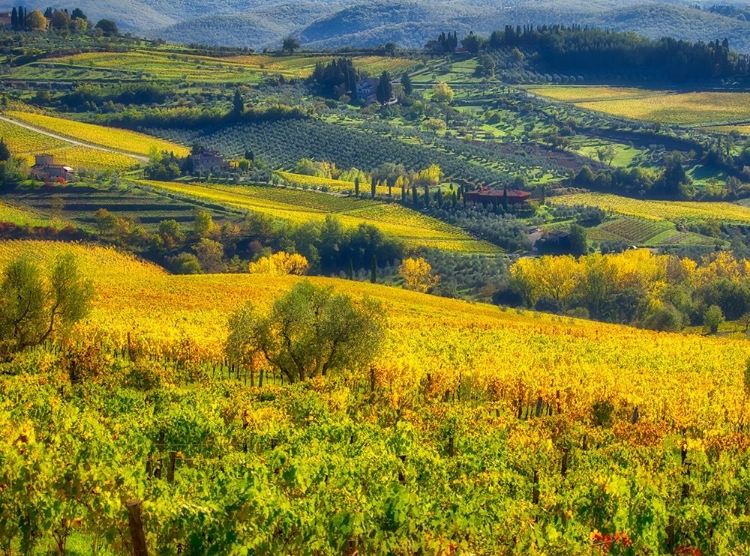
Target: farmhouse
(208, 161)
(46, 169)
(5, 19)
(487, 196)
(367, 90)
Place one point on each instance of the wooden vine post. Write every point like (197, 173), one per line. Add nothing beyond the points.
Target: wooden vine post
(135, 521)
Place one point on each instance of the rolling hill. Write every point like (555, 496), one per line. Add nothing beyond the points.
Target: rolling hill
(337, 23)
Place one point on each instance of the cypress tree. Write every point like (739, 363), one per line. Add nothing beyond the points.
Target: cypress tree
(4, 151)
(414, 197)
(454, 199)
(14, 19)
(373, 188)
(374, 272)
(406, 83)
(350, 273)
(505, 198)
(239, 103)
(403, 192)
(544, 194)
(356, 186)
(426, 196)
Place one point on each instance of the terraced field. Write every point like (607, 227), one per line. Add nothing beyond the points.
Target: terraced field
(111, 138)
(300, 180)
(661, 106)
(660, 210)
(394, 220)
(168, 66)
(24, 217)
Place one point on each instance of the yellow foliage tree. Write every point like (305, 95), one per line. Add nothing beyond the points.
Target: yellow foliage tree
(280, 264)
(442, 93)
(417, 273)
(430, 175)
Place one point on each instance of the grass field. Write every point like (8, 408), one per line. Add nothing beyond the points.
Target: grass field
(394, 220)
(666, 107)
(112, 138)
(659, 210)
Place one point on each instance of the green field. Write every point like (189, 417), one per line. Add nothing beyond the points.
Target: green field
(296, 206)
(171, 66)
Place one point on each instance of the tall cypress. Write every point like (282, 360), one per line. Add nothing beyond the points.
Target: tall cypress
(356, 186)
(374, 272)
(414, 197)
(14, 19)
(373, 188)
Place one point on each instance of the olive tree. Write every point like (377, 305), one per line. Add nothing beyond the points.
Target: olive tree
(34, 309)
(311, 331)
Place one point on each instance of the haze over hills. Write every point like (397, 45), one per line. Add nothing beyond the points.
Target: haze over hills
(336, 23)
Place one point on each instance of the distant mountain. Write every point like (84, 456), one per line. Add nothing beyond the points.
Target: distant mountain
(409, 23)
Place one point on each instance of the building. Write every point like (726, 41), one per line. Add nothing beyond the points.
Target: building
(208, 161)
(367, 90)
(46, 169)
(5, 18)
(487, 196)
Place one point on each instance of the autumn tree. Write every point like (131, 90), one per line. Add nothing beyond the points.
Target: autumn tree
(36, 21)
(280, 264)
(311, 331)
(210, 254)
(417, 274)
(442, 93)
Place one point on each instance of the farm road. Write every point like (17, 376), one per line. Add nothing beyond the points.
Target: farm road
(73, 142)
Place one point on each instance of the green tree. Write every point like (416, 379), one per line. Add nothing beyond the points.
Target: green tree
(4, 151)
(356, 186)
(442, 93)
(170, 233)
(578, 240)
(289, 45)
(33, 310)
(203, 223)
(239, 103)
(407, 85)
(107, 27)
(186, 263)
(374, 270)
(472, 43)
(105, 221)
(311, 331)
(78, 14)
(384, 92)
(60, 20)
(713, 319)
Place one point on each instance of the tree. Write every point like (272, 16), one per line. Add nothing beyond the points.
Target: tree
(390, 48)
(606, 154)
(170, 233)
(384, 92)
(33, 310)
(374, 270)
(578, 240)
(356, 186)
(407, 85)
(4, 151)
(78, 14)
(60, 20)
(417, 274)
(36, 21)
(203, 223)
(442, 93)
(713, 318)
(472, 43)
(14, 19)
(289, 45)
(311, 331)
(239, 103)
(280, 264)
(210, 254)
(105, 221)
(107, 27)
(186, 263)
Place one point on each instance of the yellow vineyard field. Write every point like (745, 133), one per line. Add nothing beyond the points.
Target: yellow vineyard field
(659, 210)
(23, 217)
(119, 139)
(94, 159)
(448, 339)
(301, 180)
(22, 141)
(298, 206)
(667, 107)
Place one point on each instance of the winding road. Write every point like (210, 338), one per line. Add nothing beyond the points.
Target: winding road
(73, 142)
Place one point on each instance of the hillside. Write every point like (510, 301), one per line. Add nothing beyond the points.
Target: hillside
(337, 23)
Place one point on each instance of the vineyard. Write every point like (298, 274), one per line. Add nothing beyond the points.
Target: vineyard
(413, 228)
(666, 107)
(557, 435)
(24, 217)
(118, 139)
(660, 210)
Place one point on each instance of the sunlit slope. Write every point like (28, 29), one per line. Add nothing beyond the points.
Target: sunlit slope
(414, 228)
(690, 379)
(108, 137)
